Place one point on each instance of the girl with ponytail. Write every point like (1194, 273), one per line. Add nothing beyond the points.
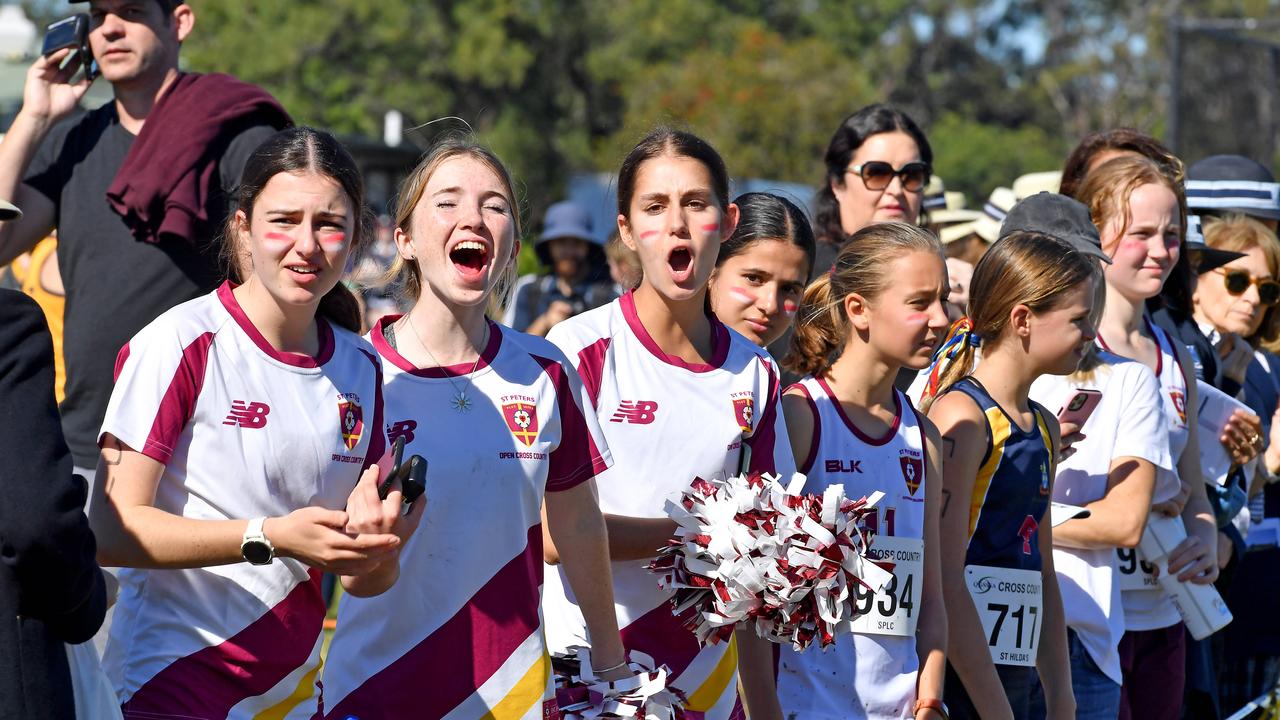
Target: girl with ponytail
(230, 469)
(879, 310)
(1029, 311)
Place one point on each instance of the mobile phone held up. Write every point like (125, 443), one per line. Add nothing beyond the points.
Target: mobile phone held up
(72, 32)
(411, 473)
(1078, 408)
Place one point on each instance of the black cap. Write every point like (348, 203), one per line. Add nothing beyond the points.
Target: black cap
(1057, 216)
(1233, 183)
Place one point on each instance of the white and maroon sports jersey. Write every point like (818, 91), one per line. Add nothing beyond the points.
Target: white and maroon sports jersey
(667, 422)
(460, 633)
(862, 675)
(243, 431)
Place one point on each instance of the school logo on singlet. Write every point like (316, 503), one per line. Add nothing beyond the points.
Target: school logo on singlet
(744, 410)
(636, 412)
(1179, 404)
(352, 419)
(912, 471)
(1044, 480)
(251, 415)
(522, 420)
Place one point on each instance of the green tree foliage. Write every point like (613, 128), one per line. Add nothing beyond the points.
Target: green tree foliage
(556, 86)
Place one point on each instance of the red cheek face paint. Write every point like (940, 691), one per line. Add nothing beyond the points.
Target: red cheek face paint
(742, 295)
(334, 240)
(917, 318)
(278, 237)
(711, 228)
(790, 307)
(648, 234)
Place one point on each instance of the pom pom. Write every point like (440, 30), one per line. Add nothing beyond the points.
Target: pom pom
(750, 549)
(644, 696)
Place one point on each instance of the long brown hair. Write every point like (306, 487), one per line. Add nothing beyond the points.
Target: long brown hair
(406, 272)
(862, 267)
(1022, 268)
(302, 150)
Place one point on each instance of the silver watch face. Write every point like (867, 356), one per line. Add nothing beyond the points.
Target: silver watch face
(256, 552)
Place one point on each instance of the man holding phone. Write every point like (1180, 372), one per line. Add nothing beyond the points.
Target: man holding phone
(138, 189)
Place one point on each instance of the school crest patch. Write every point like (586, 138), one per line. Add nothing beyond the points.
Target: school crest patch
(744, 411)
(352, 419)
(522, 420)
(912, 472)
(1179, 404)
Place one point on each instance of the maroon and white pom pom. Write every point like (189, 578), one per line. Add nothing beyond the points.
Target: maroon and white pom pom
(644, 696)
(750, 549)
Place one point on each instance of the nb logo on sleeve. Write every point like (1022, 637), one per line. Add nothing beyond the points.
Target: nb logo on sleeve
(248, 414)
(636, 412)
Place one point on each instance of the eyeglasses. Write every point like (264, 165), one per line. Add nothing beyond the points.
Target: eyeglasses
(877, 175)
(1238, 281)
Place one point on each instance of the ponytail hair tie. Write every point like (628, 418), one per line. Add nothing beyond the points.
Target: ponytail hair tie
(959, 336)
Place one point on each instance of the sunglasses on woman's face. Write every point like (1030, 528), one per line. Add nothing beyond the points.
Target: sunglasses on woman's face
(877, 175)
(1238, 281)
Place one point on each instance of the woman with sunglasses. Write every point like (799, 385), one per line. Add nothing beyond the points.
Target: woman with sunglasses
(1242, 298)
(877, 164)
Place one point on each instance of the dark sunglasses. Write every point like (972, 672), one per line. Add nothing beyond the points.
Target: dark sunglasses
(1238, 281)
(877, 175)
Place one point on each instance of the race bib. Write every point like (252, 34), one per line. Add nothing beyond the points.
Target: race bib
(1010, 603)
(893, 610)
(1135, 573)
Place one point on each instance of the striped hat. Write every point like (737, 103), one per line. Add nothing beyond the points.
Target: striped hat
(1233, 183)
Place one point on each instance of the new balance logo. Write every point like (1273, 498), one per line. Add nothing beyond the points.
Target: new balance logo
(248, 414)
(636, 412)
(402, 429)
(843, 466)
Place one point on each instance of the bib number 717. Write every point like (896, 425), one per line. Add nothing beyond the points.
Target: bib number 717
(1010, 604)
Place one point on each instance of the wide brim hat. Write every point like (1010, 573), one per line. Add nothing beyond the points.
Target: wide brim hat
(1206, 258)
(1037, 182)
(994, 210)
(566, 219)
(935, 195)
(1233, 183)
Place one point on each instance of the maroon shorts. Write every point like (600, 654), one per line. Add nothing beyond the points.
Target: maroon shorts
(1154, 666)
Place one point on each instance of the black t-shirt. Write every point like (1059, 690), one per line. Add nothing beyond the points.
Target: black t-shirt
(116, 284)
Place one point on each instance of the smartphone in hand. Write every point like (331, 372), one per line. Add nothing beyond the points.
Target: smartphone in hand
(71, 32)
(412, 474)
(1079, 407)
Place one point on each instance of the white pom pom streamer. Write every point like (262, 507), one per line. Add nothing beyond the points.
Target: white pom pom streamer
(750, 549)
(644, 696)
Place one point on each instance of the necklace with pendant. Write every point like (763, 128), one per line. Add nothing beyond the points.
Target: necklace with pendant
(460, 402)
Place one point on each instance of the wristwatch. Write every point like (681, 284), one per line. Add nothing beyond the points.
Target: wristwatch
(931, 704)
(255, 547)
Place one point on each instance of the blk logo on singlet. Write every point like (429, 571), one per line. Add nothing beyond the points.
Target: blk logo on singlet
(636, 412)
(252, 415)
(401, 429)
(843, 466)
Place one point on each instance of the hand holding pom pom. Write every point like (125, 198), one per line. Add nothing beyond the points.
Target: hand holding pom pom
(749, 548)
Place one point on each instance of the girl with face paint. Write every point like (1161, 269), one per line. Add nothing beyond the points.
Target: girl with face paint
(879, 310)
(232, 450)
(504, 423)
(678, 396)
(761, 270)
